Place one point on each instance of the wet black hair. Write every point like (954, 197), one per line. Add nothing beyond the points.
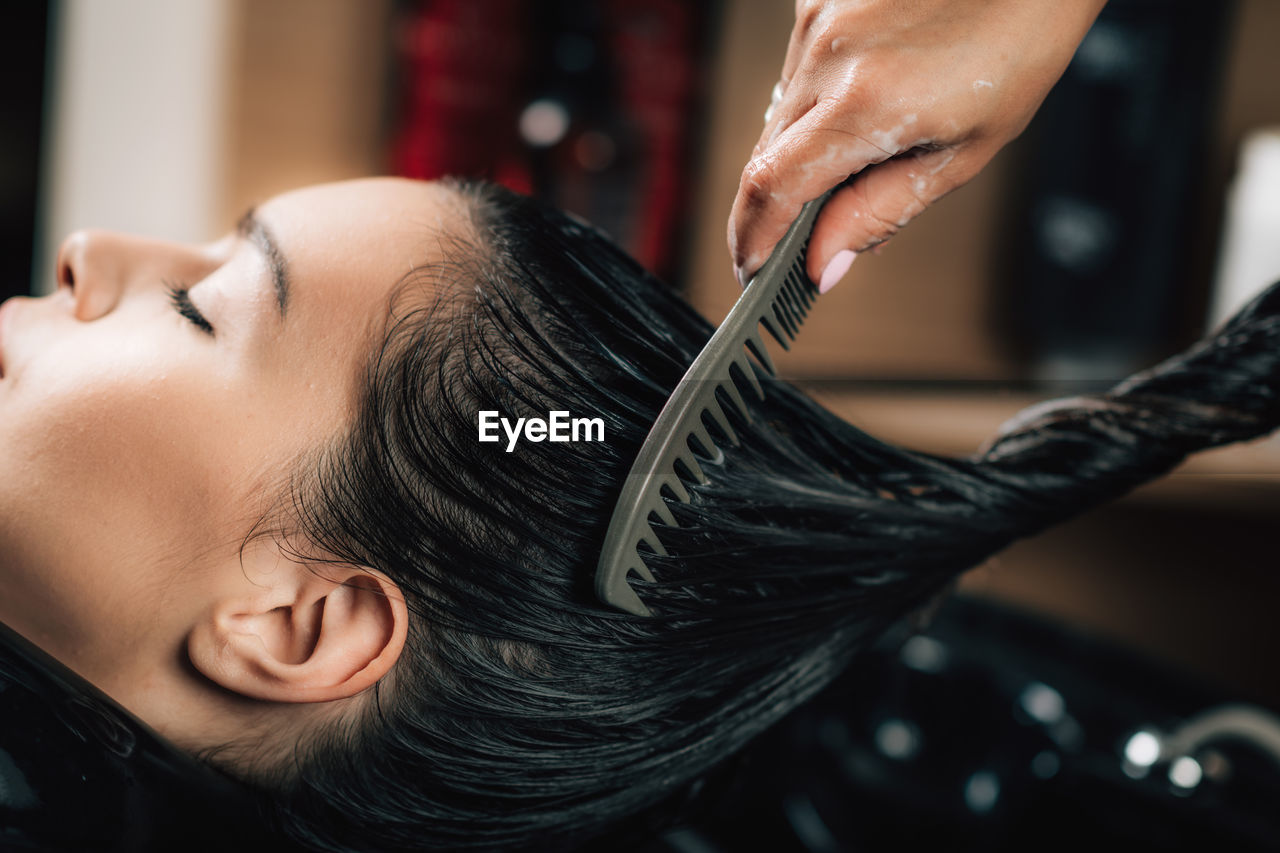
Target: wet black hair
(523, 714)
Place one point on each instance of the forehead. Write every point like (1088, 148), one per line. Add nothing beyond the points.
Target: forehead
(347, 245)
(375, 222)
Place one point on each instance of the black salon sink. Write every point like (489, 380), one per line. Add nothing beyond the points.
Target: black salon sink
(77, 773)
(993, 731)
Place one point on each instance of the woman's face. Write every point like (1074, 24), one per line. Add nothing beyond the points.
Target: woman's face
(143, 433)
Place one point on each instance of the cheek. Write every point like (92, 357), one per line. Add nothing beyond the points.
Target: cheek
(102, 499)
(114, 481)
(119, 459)
(119, 422)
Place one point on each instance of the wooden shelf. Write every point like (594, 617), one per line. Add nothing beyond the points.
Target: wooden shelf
(1241, 477)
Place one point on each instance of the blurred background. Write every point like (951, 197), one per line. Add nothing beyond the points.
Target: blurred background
(1140, 206)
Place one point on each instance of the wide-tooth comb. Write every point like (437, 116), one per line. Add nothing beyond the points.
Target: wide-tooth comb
(778, 298)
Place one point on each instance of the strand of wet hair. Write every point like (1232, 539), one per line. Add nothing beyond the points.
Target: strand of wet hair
(1065, 456)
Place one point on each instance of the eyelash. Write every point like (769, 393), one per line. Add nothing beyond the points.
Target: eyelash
(180, 299)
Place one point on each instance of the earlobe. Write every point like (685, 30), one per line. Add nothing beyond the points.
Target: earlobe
(310, 635)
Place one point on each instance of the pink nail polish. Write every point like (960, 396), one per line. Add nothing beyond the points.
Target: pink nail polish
(836, 268)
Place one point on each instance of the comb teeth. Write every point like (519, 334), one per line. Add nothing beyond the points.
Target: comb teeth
(716, 413)
(687, 458)
(706, 444)
(768, 322)
(730, 389)
(757, 348)
(744, 367)
(650, 538)
(660, 509)
(791, 305)
(673, 482)
(778, 299)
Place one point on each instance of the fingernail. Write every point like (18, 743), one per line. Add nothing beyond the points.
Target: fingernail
(836, 268)
(741, 275)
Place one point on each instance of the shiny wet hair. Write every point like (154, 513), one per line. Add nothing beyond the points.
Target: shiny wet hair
(523, 713)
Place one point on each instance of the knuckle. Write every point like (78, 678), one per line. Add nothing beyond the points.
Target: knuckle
(919, 192)
(829, 28)
(880, 226)
(846, 96)
(759, 180)
(826, 37)
(845, 100)
(808, 13)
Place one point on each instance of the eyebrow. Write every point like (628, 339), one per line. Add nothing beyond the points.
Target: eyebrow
(253, 229)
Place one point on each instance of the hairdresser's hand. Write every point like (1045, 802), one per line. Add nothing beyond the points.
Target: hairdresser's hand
(914, 96)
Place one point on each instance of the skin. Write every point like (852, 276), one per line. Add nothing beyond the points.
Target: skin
(914, 97)
(138, 452)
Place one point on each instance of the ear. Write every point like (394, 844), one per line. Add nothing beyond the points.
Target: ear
(302, 633)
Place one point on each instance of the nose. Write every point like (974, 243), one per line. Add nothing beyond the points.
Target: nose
(101, 268)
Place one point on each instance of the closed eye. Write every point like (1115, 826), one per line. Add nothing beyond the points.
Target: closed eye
(180, 299)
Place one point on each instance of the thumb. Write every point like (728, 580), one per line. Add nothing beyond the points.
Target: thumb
(880, 202)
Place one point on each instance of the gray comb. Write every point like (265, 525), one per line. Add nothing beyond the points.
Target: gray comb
(778, 298)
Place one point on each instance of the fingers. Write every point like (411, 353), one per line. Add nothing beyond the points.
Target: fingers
(928, 90)
(807, 13)
(789, 103)
(806, 161)
(774, 97)
(880, 202)
(784, 108)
